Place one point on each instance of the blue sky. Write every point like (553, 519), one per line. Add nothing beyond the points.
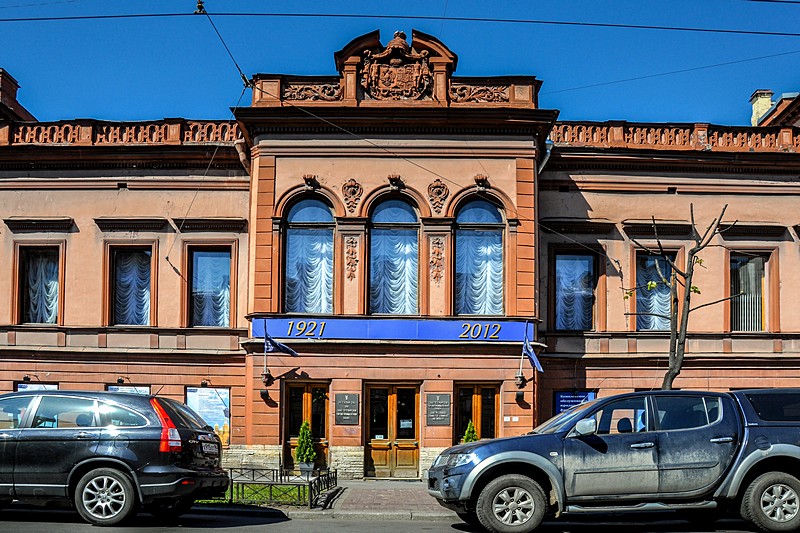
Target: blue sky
(152, 68)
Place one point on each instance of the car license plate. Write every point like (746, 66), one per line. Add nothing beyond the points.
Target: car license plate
(210, 448)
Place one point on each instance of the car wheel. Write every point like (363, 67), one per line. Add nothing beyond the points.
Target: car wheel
(511, 504)
(470, 518)
(772, 502)
(170, 508)
(105, 497)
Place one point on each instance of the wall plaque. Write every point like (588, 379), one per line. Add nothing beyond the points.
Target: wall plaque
(346, 409)
(438, 413)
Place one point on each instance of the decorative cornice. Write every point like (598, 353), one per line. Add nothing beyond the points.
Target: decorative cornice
(666, 228)
(574, 225)
(131, 223)
(235, 225)
(751, 230)
(49, 224)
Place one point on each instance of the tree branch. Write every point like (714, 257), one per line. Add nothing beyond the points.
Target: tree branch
(716, 301)
(648, 314)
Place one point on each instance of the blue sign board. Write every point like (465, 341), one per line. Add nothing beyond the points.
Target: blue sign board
(399, 329)
(566, 400)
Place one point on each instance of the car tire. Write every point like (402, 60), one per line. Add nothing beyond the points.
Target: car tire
(470, 518)
(173, 508)
(772, 502)
(105, 496)
(511, 504)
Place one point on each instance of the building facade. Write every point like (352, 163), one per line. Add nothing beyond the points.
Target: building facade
(404, 231)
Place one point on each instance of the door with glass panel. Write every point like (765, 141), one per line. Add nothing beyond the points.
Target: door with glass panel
(392, 415)
(476, 403)
(306, 401)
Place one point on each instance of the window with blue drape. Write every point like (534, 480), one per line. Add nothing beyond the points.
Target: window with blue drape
(574, 292)
(131, 287)
(210, 290)
(309, 258)
(394, 259)
(479, 259)
(748, 275)
(39, 284)
(655, 300)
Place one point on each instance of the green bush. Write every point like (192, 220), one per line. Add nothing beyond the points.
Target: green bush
(304, 453)
(470, 435)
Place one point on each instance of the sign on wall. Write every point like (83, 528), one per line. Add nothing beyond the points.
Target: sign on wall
(131, 389)
(438, 411)
(213, 405)
(36, 386)
(409, 329)
(346, 409)
(567, 399)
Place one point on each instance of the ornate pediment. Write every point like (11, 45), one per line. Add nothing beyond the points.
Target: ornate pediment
(398, 72)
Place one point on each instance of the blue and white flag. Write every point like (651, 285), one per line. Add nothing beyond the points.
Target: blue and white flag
(527, 351)
(271, 345)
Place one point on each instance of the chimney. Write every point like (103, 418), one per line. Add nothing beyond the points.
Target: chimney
(8, 98)
(761, 100)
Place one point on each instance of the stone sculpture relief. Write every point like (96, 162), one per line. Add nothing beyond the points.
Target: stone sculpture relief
(396, 73)
(479, 93)
(318, 91)
(437, 194)
(351, 256)
(352, 192)
(437, 259)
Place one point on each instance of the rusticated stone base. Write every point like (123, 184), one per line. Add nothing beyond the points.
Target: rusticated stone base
(254, 456)
(426, 458)
(348, 461)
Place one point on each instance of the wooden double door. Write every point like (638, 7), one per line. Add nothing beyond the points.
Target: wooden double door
(392, 415)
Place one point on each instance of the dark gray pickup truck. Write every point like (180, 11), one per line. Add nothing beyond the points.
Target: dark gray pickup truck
(703, 452)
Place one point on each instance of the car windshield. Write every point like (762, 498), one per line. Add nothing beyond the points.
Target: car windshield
(561, 420)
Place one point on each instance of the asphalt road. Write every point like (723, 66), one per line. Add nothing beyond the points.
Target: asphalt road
(31, 520)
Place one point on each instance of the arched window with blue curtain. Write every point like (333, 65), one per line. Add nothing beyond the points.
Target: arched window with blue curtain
(309, 258)
(394, 259)
(479, 259)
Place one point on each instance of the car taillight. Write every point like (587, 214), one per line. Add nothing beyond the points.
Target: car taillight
(170, 438)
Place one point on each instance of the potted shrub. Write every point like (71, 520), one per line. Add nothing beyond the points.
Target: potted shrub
(470, 435)
(304, 453)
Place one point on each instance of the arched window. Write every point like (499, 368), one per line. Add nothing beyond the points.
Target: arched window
(309, 258)
(479, 259)
(394, 259)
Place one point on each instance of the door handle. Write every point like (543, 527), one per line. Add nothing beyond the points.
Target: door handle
(719, 440)
(642, 445)
(83, 435)
(4, 436)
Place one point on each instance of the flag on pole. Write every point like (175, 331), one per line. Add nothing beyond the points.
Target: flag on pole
(271, 345)
(527, 351)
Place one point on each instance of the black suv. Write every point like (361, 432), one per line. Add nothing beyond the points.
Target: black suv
(108, 453)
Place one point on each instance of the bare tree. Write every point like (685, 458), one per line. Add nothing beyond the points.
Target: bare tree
(679, 310)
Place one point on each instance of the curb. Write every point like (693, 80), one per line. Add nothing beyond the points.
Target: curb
(306, 514)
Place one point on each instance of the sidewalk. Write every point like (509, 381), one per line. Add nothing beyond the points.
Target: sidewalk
(388, 500)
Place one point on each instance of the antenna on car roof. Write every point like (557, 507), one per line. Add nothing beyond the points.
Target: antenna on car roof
(159, 390)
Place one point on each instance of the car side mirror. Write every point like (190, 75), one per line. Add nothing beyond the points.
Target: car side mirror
(587, 426)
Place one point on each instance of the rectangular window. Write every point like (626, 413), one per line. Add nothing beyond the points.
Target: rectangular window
(39, 284)
(479, 404)
(652, 292)
(748, 292)
(130, 286)
(575, 282)
(210, 287)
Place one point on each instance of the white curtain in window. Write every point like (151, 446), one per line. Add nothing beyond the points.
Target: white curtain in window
(132, 288)
(309, 270)
(41, 287)
(574, 292)
(654, 300)
(394, 258)
(747, 278)
(211, 288)
(479, 272)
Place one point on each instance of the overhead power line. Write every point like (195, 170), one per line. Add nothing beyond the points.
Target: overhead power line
(416, 17)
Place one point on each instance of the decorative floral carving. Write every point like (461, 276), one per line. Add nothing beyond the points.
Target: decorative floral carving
(328, 92)
(437, 259)
(395, 182)
(482, 181)
(397, 72)
(351, 256)
(479, 93)
(437, 194)
(311, 181)
(352, 191)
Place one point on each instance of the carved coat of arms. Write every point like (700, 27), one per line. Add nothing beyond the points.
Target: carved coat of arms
(396, 73)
